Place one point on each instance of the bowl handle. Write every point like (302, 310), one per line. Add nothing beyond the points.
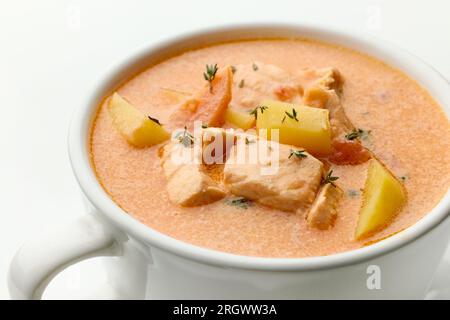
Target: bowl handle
(39, 260)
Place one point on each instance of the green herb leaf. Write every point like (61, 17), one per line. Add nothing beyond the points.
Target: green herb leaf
(352, 193)
(255, 111)
(242, 203)
(233, 69)
(329, 179)
(210, 74)
(298, 153)
(357, 133)
(354, 134)
(241, 83)
(255, 67)
(248, 141)
(155, 120)
(292, 115)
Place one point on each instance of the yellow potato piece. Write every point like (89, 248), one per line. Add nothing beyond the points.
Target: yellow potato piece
(383, 198)
(239, 119)
(135, 126)
(312, 131)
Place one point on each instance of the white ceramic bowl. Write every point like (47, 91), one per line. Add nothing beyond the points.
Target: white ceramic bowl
(164, 267)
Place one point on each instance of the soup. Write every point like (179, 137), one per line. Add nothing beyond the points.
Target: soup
(356, 144)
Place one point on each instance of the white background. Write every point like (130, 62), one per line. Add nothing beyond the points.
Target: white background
(51, 53)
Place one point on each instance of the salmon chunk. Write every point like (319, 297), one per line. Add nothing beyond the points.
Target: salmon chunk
(327, 78)
(188, 183)
(254, 82)
(291, 188)
(190, 187)
(323, 212)
(322, 89)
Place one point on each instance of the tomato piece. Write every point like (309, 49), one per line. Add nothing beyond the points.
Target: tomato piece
(348, 152)
(208, 105)
(285, 93)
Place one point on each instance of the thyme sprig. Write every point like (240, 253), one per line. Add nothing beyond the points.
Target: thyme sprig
(329, 179)
(185, 138)
(298, 153)
(248, 141)
(210, 74)
(352, 193)
(357, 134)
(155, 120)
(254, 112)
(242, 203)
(292, 115)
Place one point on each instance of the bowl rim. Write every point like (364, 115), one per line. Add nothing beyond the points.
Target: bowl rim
(79, 133)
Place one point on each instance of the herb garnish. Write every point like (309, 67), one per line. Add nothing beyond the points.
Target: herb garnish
(242, 203)
(241, 83)
(155, 120)
(248, 141)
(292, 115)
(404, 178)
(185, 138)
(255, 111)
(329, 179)
(298, 153)
(357, 133)
(354, 134)
(233, 69)
(255, 67)
(210, 74)
(352, 193)
(204, 126)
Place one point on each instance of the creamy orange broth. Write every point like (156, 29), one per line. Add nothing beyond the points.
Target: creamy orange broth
(409, 133)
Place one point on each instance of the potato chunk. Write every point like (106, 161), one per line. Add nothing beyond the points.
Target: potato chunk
(134, 126)
(310, 128)
(239, 119)
(383, 198)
